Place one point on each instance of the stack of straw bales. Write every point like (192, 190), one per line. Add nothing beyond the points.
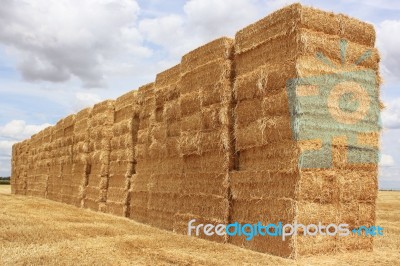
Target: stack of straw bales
(139, 193)
(80, 168)
(100, 134)
(272, 182)
(67, 161)
(279, 125)
(205, 141)
(166, 177)
(122, 157)
(20, 153)
(54, 183)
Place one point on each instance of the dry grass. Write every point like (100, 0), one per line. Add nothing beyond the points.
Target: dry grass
(5, 189)
(38, 231)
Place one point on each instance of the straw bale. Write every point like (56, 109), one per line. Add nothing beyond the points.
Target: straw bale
(127, 101)
(357, 31)
(116, 208)
(106, 106)
(313, 213)
(216, 93)
(168, 77)
(311, 45)
(357, 185)
(280, 22)
(263, 184)
(319, 185)
(280, 156)
(117, 195)
(138, 205)
(210, 117)
(190, 103)
(172, 111)
(166, 94)
(211, 207)
(221, 48)
(172, 146)
(124, 113)
(191, 123)
(214, 141)
(259, 209)
(248, 111)
(205, 75)
(159, 132)
(266, 130)
(173, 129)
(283, 46)
(189, 143)
(208, 162)
(204, 183)
(157, 149)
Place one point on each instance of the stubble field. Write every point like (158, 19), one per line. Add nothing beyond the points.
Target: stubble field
(38, 231)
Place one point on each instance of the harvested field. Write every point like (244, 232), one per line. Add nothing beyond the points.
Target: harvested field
(39, 231)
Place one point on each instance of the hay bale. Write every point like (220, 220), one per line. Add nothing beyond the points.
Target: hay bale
(221, 48)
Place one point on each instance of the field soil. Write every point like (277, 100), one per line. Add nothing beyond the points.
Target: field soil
(39, 231)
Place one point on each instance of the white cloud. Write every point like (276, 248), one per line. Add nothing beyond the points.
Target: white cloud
(85, 99)
(215, 18)
(18, 130)
(386, 160)
(388, 44)
(391, 114)
(201, 22)
(56, 40)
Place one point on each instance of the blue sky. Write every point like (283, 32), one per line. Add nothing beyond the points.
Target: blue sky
(59, 56)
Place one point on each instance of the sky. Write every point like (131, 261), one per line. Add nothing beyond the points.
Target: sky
(59, 56)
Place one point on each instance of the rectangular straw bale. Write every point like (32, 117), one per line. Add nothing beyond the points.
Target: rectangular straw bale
(254, 210)
(190, 103)
(252, 184)
(127, 100)
(357, 31)
(315, 212)
(311, 43)
(191, 123)
(319, 185)
(168, 77)
(261, 55)
(281, 156)
(208, 74)
(210, 207)
(248, 111)
(219, 92)
(172, 112)
(357, 185)
(221, 48)
(277, 24)
(263, 131)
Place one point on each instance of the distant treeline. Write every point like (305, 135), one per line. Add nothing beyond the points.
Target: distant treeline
(4, 180)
